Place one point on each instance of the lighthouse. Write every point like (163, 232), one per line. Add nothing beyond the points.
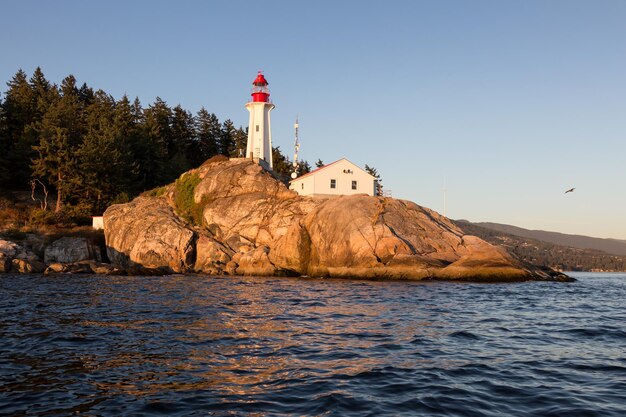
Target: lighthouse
(259, 145)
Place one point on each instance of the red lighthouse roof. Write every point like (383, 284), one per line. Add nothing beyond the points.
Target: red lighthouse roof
(260, 92)
(260, 79)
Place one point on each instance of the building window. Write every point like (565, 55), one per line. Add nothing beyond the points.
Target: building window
(354, 185)
(257, 128)
(333, 183)
(302, 186)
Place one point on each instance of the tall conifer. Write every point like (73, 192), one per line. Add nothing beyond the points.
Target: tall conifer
(227, 139)
(208, 131)
(60, 135)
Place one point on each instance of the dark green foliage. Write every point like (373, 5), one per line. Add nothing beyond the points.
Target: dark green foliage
(22, 113)
(282, 166)
(182, 136)
(206, 142)
(241, 140)
(319, 163)
(60, 135)
(227, 144)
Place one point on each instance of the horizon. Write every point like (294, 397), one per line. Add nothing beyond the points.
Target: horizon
(505, 106)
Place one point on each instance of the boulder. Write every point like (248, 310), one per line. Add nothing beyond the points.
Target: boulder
(147, 233)
(27, 266)
(211, 256)
(256, 262)
(83, 267)
(71, 249)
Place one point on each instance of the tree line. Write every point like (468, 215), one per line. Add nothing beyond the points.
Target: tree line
(91, 150)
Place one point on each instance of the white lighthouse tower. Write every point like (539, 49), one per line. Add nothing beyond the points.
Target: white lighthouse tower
(259, 130)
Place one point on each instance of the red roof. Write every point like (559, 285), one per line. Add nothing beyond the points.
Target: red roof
(260, 79)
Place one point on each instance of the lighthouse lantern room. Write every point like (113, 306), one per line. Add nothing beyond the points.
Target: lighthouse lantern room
(259, 145)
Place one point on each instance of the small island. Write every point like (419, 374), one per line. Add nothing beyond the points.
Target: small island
(233, 217)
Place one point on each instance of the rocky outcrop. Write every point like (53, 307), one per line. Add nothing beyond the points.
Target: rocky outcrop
(147, 233)
(67, 255)
(16, 258)
(251, 224)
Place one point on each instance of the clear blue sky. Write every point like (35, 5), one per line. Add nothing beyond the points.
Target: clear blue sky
(512, 102)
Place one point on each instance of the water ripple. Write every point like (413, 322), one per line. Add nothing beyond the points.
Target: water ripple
(196, 346)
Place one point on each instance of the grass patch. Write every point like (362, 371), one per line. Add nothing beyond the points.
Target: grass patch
(184, 189)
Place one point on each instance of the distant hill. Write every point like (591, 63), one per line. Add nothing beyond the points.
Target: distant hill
(543, 253)
(613, 246)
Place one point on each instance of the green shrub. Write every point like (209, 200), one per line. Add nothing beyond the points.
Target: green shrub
(79, 214)
(39, 217)
(183, 198)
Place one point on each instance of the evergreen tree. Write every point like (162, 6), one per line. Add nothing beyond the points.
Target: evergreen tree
(303, 168)
(319, 163)
(44, 94)
(379, 182)
(129, 140)
(4, 147)
(86, 95)
(281, 165)
(20, 112)
(143, 153)
(158, 144)
(227, 144)
(60, 134)
(206, 144)
(183, 135)
(100, 156)
(241, 139)
(55, 162)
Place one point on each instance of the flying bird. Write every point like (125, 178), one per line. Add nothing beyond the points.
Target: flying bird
(571, 190)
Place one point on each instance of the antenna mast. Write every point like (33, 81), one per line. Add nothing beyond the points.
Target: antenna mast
(296, 146)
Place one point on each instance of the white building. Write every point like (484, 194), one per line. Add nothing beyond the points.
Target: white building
(97, 222)
(259, 145)
(341, 177)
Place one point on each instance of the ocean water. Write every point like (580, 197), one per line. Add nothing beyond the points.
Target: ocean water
(197, 346)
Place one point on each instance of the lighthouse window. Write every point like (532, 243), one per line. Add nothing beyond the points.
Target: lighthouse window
(257, 128)
(333, 183)
(354, 185)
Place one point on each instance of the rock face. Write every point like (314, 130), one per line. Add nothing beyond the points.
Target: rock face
(71, 249)
(251, 224)
(146, 232)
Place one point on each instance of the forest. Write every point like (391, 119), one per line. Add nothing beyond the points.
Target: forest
(80, 150)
